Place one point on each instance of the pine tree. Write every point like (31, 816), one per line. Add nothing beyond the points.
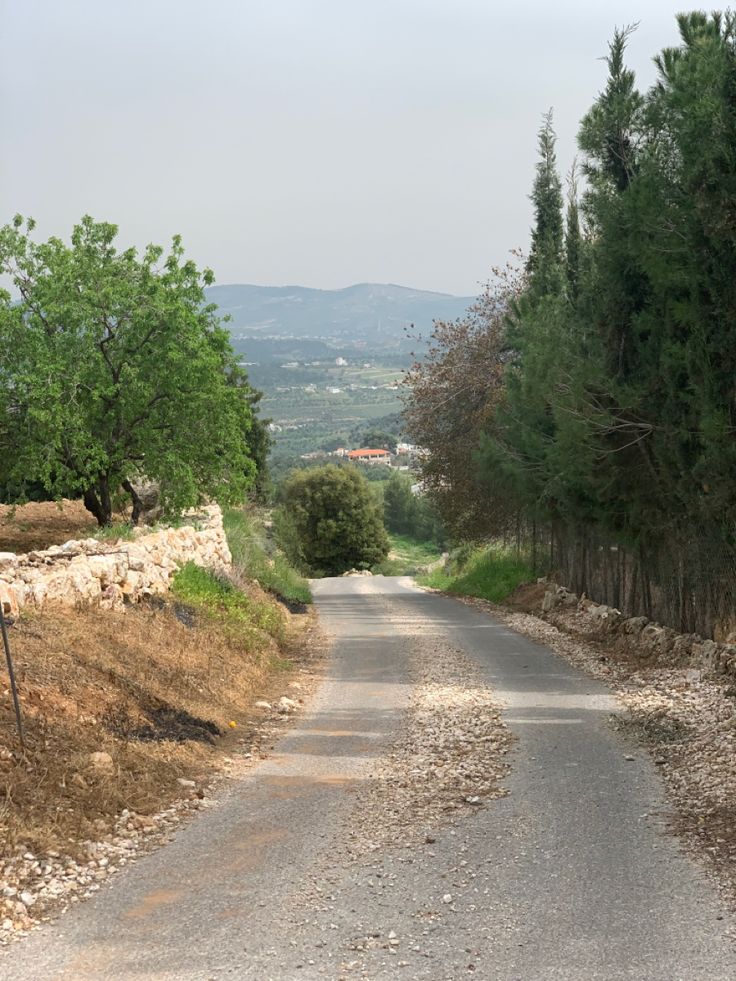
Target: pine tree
(617, 416)
(515, 450)
(610, 131)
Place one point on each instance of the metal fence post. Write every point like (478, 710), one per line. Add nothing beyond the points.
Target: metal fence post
(11, 675)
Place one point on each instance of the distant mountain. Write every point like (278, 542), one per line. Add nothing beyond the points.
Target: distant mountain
(360, 315)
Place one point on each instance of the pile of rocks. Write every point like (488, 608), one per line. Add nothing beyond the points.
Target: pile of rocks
(110, 574)
(636, 636)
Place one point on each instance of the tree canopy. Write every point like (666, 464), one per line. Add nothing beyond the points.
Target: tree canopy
(406, 511)
(449, 397)
(620, 397)
(607, 399)
(112, 369)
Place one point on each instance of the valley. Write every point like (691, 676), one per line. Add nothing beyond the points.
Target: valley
(329, 411)
(329, 362)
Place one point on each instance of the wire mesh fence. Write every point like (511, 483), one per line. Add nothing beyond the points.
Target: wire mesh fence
(686, 584)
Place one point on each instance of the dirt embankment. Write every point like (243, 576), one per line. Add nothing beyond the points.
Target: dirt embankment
(128, 716)
(39, 525)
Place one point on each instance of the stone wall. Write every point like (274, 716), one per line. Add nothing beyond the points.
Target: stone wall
(637, 637)
(110, 574)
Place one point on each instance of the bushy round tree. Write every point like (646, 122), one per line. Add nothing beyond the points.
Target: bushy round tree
(329, 522)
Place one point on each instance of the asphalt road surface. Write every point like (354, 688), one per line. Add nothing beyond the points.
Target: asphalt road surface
(570, 876)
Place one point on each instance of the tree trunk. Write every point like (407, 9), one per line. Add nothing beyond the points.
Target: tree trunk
(92, 503)
(138, 506)
(97, 500)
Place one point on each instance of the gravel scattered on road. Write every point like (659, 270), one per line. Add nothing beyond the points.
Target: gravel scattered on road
(449, 758)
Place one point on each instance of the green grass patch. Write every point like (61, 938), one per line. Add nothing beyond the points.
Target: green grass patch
(218, 598)
(491, 572)
(114, 532)
(407, 557)
(255, 555)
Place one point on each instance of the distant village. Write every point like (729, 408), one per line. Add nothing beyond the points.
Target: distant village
(405, 456)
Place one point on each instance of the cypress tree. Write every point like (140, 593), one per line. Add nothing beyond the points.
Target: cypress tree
(545, 254)
(573, 238)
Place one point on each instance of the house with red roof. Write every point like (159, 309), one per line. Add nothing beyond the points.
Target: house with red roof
(369, 456)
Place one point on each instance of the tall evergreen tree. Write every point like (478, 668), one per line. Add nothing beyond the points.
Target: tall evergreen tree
(515, 450)
(573, 237)
(617, 416)
(610, 136)
(547, 234)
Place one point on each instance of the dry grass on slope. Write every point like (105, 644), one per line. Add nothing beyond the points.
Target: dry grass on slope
(155, 688)
(39, 525)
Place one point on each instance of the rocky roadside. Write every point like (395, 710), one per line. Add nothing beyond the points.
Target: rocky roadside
(686, 720)
(38, 887)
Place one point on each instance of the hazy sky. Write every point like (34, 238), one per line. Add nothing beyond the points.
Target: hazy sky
(317, 142)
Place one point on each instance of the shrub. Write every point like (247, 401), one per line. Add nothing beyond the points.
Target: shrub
(329, 522)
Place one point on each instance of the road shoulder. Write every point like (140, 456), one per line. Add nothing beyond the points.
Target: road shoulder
(685, 721)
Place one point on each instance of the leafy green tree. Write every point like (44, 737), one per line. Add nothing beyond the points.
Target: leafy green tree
(389, 426)
(329, 522)
(400, 508)
(259, 443)
(377, 439)
(333, 443)
(406, 512)
(374, 473)
(112, 368)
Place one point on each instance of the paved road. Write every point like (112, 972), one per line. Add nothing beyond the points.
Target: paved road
(569, 877)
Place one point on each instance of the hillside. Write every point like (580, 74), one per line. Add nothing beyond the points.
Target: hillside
(362, 316)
